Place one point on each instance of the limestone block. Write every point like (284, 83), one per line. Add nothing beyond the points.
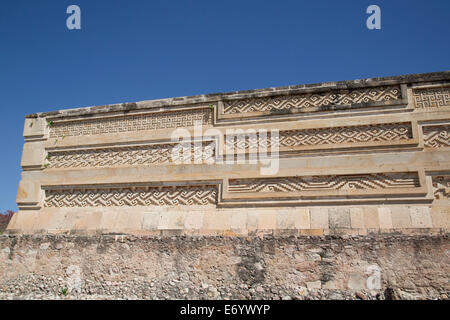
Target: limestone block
(35, 128)
(193, 220)
(339, 218)
(440, 216)
(12, 222)
(252, 220)
(216, 220)
(238, 220)
(81, 223)
(420, 217)
(357, 218)
(135, 220)
(302, 218)
(108, 220)
(285, 219)
(93, 222)
(121, 221)
(371, 219)
(384, 216)
(43, 222)
(312, 232)
(70, 218)
(150, 220)
(401, 217)
(267, 220)
(319, 218)
(29, 193)
(33, 155)
(171, 220)
(25, 220)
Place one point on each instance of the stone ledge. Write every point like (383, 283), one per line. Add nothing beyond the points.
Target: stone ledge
(214, 97)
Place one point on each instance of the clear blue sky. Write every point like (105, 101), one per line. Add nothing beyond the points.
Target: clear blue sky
(138, 50)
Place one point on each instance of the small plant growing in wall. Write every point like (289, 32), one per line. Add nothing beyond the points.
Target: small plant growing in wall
(64, 292)
(49, 124)
(46, 164)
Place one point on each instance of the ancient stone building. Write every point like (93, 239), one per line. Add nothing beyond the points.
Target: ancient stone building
(332, 190)
(350, 157)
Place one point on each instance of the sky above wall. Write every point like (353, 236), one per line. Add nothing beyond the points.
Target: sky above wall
(138, 50)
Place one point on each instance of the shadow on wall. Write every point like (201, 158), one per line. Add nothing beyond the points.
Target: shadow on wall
(4, 220)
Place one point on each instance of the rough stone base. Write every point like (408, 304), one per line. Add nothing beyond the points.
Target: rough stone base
(198, 267)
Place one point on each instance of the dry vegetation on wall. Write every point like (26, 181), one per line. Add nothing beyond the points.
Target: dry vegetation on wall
(4, 220)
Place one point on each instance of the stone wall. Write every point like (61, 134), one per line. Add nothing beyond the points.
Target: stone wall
(197, 267)
(351, 157)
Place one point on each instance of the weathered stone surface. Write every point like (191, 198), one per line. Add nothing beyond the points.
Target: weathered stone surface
(199, 267)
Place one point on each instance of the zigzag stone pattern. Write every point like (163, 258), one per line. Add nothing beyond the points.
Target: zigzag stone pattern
(132, 156)
(441, 187)
(150, 121)
(436, 136)
(432, 97)
(308, 100)
(328, 182)
(131, 196)
(324, 136)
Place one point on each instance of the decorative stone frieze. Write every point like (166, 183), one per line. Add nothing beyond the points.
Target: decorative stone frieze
(437, 136)
(141, 155)
(432, 97)
(117, 196)
(441, 187)
(375, 181)
(126, 123)
(330, 136)
(351, 157)
(313, 100)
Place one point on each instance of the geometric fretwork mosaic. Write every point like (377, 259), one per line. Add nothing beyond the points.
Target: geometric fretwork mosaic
(436, 136)
(145, 155)
(432, 97)
(131, 196)
(324, 136)
(150, 121)
(326, 182)
(307, 100)
(441, 187)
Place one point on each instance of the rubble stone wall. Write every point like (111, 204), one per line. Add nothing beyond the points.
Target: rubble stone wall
(198, 267)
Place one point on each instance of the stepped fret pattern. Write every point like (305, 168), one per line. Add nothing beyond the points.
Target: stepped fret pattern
(133, 156)
(329, 182)
(325, 136)
(132, 196)
(150, 121)
(311, 100)
(441, 187)
(436, 136)
(432, 97)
